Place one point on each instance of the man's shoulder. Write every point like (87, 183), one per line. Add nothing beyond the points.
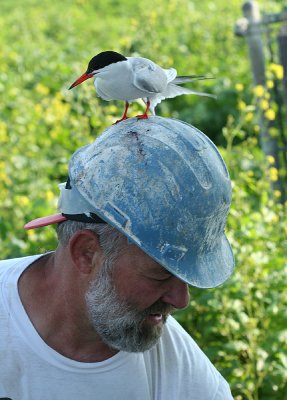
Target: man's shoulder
(19, 261)
(14, 261)
(11, 269)
(185, 362)
(7, 265)
(177, 340)
(183, 348)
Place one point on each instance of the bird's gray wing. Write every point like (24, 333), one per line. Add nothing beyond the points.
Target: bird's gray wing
(148, 76)
(170, 74)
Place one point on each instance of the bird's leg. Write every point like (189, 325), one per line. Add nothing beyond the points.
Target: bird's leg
(144, 115)
(124, 114)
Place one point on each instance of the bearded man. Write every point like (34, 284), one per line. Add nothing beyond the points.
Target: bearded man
(142, 216)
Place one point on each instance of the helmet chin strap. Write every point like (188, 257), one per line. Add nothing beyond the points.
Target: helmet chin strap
(87, 218)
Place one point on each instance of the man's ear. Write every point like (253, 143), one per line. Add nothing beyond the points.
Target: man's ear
(85, 251)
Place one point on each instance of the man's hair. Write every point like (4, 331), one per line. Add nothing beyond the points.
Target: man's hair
(111, 240)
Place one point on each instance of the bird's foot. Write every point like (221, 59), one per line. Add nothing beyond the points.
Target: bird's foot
(120, 120)
(125, 114)
(142, 116)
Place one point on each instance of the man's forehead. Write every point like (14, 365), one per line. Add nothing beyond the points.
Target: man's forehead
(146, 262)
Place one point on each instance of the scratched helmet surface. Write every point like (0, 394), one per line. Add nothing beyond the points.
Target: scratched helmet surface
(164, 185)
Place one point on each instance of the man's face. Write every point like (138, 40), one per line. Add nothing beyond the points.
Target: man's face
(129, 304)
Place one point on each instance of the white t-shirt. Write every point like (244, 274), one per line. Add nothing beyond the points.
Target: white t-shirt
(174, 369)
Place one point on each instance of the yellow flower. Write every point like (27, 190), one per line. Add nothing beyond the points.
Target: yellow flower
(273, 132)
(22, 200)
(13, 55)
(3, 177)
(49, 195)
(270, 114)
(59, 96)
(256, 129)
(153, 16)
(259, 90)
(112, 108)
(270, 84)
(253, 141)
(31, 233)
(264, 104)
(13, 92)
(249, 117)
(241, 105)
(125, 41)
(38, 109)
(270, 159)
(277, 193)
(134, 22)
(275, 219)
(42, 89)
(57, 110)
(273, 174)
(267, 96)
(239, 87)
(3, 132)
(277, 70)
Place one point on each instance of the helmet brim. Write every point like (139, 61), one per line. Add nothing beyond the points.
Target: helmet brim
(45, 221)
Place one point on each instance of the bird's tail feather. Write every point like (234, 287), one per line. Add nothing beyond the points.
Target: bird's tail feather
(190, 78)
(171, 91)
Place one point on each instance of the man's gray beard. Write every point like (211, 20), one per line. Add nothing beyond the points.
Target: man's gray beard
(120, 325)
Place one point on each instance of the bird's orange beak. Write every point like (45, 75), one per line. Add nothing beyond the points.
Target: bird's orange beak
(81, 79)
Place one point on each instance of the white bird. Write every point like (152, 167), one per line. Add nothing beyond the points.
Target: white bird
(130, 78)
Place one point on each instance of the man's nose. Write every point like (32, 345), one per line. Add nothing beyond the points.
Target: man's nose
(177, 294)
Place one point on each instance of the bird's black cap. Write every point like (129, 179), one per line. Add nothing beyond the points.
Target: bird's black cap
(103, 59)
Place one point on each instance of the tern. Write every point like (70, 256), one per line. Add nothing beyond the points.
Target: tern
(130, 78)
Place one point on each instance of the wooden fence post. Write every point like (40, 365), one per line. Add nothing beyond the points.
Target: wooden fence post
(282, 43)
(256, 53)
(252, 14)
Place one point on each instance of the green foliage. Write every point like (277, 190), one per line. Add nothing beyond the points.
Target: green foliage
(243, 324)
(44, 47)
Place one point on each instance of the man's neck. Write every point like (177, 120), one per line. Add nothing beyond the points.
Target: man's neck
(56, 308)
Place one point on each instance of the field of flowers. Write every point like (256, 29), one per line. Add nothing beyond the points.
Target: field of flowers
(45, 46)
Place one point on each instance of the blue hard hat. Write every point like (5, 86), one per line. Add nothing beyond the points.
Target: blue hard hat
(164, 185)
